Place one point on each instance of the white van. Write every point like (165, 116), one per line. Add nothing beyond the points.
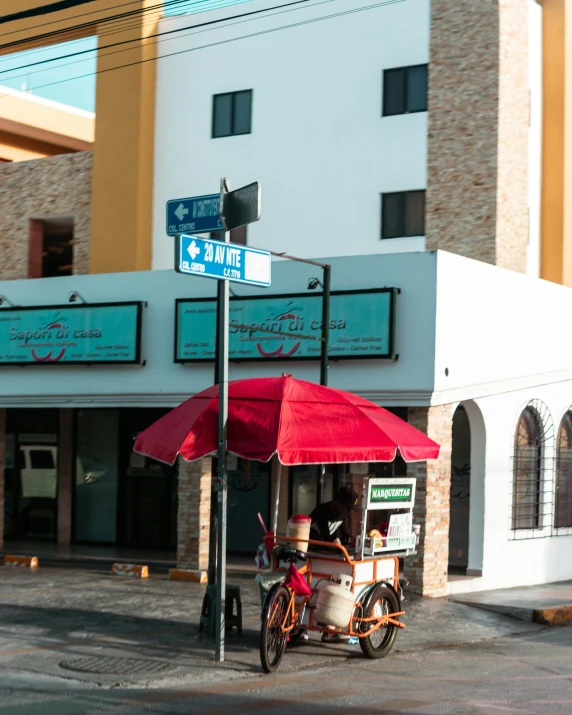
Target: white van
(39, 471)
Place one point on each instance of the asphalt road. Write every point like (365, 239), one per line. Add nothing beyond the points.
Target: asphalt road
(83, 642)
(519, 675)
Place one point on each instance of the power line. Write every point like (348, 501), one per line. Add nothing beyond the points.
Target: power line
(96, 12)
(228, 41)
(150, 37)
(79, 27)
(115, 27)
(43, 10)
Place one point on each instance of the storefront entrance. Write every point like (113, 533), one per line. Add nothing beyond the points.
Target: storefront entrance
(117, 498)
(31, 479)
(120, 497)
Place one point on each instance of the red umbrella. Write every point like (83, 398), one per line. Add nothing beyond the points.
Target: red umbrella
(300, 422)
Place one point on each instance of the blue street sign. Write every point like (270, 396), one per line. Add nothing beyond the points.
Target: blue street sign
(200, 214)
(215, 259)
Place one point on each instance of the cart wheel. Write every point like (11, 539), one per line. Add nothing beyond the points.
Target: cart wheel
(272, 640)
(381, 602)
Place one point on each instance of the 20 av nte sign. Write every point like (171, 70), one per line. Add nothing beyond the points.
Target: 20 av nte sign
(101, 333)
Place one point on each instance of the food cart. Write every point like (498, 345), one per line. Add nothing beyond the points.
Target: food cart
(349, 591)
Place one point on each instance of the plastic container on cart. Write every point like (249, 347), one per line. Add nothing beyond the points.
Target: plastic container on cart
(335, 603)
(299, 528)
(265, 582)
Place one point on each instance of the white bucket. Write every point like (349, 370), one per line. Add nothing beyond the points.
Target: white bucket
(299, 528)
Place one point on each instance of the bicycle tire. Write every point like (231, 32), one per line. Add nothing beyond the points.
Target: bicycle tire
(377, 645)
(272, 640)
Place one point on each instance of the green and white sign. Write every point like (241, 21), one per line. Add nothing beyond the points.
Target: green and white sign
(107, 333)
(398, 493)
(361, 326)
(390, 494)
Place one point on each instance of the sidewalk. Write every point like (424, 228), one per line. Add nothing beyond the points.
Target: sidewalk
(103, 557)
(549, 604)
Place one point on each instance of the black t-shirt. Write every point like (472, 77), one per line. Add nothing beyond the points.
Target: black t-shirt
(328, 525)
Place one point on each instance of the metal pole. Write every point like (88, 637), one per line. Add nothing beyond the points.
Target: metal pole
(326, 285)
(223, 319)
(213, 525)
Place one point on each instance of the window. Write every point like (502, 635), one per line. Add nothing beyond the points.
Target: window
(232, 113)
(564, 473)
(527, 471)
(41, 459)
(405, 90)
(50, 247)
(403, 214)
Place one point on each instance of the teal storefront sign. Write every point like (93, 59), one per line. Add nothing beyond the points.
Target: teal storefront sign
(103, 333)
(361, 326)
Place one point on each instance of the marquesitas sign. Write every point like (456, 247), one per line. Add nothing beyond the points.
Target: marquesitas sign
(390, 493)
(107, 333)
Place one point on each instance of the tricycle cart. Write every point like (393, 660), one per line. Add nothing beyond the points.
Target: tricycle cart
(363, 580)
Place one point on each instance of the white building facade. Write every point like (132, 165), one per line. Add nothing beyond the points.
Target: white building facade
(386, 141)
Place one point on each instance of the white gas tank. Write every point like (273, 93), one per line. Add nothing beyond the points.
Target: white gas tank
(335, 603)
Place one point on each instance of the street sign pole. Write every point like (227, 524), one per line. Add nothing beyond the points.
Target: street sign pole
(223, 314)
(225, 262)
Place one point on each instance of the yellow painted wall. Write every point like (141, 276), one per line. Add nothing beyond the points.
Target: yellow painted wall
(124, 129)
(556, 221)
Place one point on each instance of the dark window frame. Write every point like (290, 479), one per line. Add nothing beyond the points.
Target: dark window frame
(233, 96)
(405, 70)
(563, 496)
(405, 232)
(528, 471)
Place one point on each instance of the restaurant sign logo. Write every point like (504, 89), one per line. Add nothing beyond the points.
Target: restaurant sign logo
(97, 333)
(289, 327)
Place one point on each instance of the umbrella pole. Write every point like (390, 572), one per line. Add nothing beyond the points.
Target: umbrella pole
(324, 359)
(276, 474)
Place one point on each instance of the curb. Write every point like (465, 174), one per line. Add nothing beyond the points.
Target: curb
(30, 562)
(187, 575)
(136, 570)
(555, 616)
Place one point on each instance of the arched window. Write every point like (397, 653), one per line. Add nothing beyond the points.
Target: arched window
(527, 471)
(564, 473)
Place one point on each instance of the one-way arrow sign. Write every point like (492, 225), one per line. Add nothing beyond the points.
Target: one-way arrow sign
(199, 214)
(181, 211)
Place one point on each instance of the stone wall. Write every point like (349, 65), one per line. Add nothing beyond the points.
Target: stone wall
(477, 201)
(41, 189)
(427, 571)
(194, 512)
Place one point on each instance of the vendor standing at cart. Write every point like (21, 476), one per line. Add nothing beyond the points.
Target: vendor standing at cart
(329, 520)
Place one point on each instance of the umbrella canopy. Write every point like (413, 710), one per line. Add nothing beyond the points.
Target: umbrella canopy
(300, 422)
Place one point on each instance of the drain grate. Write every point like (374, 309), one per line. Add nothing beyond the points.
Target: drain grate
(102, 665)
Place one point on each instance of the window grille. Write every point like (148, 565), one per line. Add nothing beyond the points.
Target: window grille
(532, 492)
(563, 497)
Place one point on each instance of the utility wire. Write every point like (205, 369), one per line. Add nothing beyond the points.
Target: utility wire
(43, 10)
(79, 27)
(151, 37)
(83, 15)
(228, 41)
(115, 26)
